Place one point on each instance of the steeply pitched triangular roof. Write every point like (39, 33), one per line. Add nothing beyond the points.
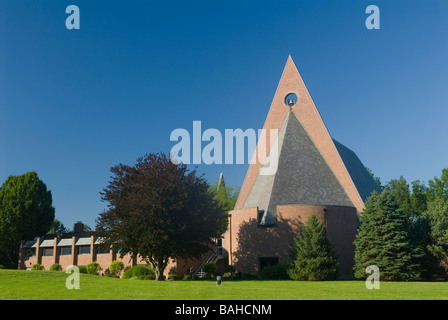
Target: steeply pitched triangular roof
(302, 176)
(311, 169)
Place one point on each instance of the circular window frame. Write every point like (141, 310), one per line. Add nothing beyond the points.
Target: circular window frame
(295, 98)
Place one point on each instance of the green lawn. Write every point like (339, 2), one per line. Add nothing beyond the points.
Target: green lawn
(30, 285)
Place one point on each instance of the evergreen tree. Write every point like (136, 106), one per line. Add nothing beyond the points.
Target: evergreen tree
(413, 204)
(419, 197)
(312, 255)
(399, 189)
(226, 196)
(58, 228)
(383, 240)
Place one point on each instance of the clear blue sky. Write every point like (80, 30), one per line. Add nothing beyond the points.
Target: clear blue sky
(73, 103)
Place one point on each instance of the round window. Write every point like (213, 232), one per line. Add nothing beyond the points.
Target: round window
(290, 99)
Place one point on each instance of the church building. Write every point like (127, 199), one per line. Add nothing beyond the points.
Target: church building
(299, 171)
(314, 174)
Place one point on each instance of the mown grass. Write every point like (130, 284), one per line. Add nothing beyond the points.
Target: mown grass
(48, 285)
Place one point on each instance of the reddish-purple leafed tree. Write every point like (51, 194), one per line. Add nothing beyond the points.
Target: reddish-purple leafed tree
(159, 210)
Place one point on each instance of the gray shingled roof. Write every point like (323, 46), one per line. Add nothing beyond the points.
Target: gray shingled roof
(303, 177)
(83, 241)
(362, 179)
(30, 244)
(65, 242)
(47, 243)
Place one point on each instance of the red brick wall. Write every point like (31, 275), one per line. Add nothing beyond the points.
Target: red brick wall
(237, 218)
(246, 242)
(180, 266)
(84, 259)
(104, 261)
(65, 261)
(342, 226)
(47, 262)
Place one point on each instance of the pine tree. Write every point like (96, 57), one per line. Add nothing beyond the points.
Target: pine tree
(383, 240)
(312, 255)
(226, 196)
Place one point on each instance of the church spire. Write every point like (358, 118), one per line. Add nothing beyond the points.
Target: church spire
(310, 120)
(221, 182)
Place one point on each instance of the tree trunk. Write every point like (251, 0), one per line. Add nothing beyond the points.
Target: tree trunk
(159, 267)
(159, 273)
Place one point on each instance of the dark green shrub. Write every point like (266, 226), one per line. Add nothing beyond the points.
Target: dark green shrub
(275, 272)
(149, 277)
(94, 268)
(190, 277)
(37, 266)
(115, 268)
(230, 269)
(173, 276)
(246, 276)
(209, 268)
(56, 267)
(82, 269)
(138, 271)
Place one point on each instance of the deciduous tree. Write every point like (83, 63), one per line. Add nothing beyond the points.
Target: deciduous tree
(159, 210)
(26, 211)
(437, 244)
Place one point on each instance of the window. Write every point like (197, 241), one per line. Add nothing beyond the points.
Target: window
(101, 249)
(219, 250)
(291, 99)
(66, 251)
(47, 252)
(84, 249)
